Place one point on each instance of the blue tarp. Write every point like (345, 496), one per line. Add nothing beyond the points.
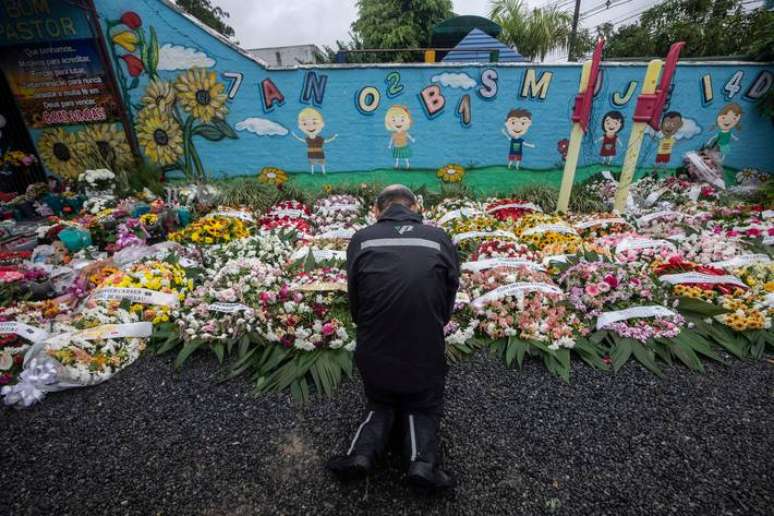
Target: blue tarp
(465, 51)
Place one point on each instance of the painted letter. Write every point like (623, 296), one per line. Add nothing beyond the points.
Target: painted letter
(463, 111)
(488, 88)
(271, 95)
(620, 100)
(536, 88)
(706, 89)
(432, 100)
(367, 101)
(314, 88)
(760, 85)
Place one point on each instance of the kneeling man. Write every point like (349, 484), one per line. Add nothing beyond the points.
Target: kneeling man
(403, 278)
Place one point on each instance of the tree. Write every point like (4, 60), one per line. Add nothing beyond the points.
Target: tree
(208, 14)
(534, 33)
(397, 24)
(709, 28)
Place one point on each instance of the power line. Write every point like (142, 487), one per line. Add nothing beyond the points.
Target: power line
(603, 7)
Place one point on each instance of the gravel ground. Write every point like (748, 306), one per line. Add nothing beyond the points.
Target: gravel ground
(152, 441)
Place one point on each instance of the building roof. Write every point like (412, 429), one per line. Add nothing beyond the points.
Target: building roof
(466, 50)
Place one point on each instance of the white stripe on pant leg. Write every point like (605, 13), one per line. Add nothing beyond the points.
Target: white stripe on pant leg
(360, 429)
(413, 439)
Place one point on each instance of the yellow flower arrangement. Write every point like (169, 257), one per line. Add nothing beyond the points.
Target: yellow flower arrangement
(551, 238)
(107, 142)
(451, 173)
(149, 219)
(211, 231)
(201, 94)
(272, 176)
(159, 94)
(160, 136)
(58, 150)
(155, 275)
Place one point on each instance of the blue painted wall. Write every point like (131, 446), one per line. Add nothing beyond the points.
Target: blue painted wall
(362, 140)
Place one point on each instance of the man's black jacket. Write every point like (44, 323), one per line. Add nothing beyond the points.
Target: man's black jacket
(403, 278)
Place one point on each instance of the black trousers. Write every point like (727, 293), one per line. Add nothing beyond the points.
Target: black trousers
(427, 401)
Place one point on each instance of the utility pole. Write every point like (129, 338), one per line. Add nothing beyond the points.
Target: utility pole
(574, 32)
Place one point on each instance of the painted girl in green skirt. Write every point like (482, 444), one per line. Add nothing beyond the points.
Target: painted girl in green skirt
(398, 121)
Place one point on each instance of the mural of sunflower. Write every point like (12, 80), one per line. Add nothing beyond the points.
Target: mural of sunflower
(272, 176)
(58, 150)
(159, 94)
(159, 135)
(109, 140)
(201, 94)
(451, 173)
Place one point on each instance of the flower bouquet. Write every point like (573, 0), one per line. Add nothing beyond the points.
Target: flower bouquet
(452, 208)
(220, 314)
(270, 247)
(98, 182)
(599, 225)
(509, 209)
(308, 335)
(150, 290)
(547, 233)
(523, 311)
(85, 351)
(468, 233)
(212, 230)
(633, 314)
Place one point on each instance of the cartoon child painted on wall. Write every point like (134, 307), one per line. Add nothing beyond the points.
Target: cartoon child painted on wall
(612, 124)
(517, 123)
(670, 124)
(398, 121)
(728, 118)
(311, 123)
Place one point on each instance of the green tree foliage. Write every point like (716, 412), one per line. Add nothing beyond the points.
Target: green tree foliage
(397, 24)
(534, 32)
(211, 15)
(709, 28)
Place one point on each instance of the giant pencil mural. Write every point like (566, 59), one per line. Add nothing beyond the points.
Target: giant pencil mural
(200, 107)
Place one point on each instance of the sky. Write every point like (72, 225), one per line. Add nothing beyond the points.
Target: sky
(269, 23)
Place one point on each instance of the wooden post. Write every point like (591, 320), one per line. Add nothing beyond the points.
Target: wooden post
(635, 139)
(576, 137)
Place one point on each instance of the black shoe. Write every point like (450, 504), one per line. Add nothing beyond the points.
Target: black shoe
(350, 467)
(420, 446)
(423, 474)
(367, 446)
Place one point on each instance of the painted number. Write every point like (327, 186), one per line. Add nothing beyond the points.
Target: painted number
(236, 78)
(464, 111)
(734, 85)
(394, 87)
(706, 89)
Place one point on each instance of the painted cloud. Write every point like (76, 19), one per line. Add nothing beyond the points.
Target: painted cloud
(689, 129)
(455, 80)
(176, 57)
(261, 127)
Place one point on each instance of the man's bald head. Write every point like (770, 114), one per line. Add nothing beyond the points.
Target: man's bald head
(396, 194)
